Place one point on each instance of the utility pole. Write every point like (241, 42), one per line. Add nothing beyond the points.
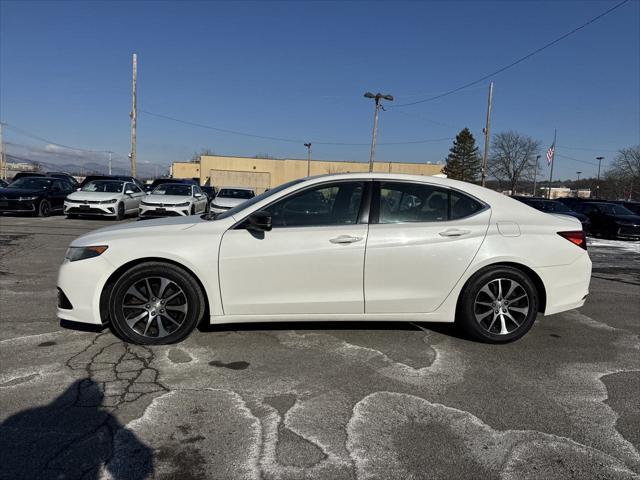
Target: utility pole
(109, 162)
(134, 117)
(3, 163)
(535, 176)
(598, 180)
(552, 152)
(487, 136)
(377, 97)
(308, 145)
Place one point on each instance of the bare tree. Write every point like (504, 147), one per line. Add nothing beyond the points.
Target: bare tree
(513, 158)
(625, 172)
(195, 158)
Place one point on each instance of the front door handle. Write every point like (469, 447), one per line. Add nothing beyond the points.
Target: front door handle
(454, 232)
(345, 239)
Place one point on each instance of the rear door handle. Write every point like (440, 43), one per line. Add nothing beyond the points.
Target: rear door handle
(345, 239)
(454, 232)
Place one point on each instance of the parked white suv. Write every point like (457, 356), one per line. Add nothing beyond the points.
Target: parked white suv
(229, 197)
(173, 199)
(110, 198)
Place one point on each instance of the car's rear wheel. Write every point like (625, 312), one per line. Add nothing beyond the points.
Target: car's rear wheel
(498, 305)
(155, 303)
(44, 208)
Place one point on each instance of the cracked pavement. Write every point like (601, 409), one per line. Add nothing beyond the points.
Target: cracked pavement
(315, 400)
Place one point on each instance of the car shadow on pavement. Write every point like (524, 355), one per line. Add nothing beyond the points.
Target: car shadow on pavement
(71, 437)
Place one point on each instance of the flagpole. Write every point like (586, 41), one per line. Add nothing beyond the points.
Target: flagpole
(553, 160)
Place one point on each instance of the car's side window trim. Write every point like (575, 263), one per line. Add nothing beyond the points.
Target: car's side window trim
(375, 203)
(363, 212)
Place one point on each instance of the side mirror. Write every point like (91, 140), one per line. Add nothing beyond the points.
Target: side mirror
(128, 192)
(198, 195)
(259, 222)
(78, 189)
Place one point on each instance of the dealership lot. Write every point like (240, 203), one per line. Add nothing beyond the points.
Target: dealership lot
(315, 400)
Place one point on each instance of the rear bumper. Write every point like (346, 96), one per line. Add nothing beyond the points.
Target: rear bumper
(567, 286)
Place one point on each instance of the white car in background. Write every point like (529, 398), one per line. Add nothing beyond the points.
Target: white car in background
(358, 246)
(229, 197)
(110, 198)
(173, 199)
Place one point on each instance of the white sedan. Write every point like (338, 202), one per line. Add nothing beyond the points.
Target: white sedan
(336, 247)
(173, 199)
(110, 198)
(230, 197)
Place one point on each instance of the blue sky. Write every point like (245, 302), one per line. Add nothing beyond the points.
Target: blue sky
(299, 69)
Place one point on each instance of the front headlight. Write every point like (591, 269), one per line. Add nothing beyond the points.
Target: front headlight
(146, 204)
(219, 206)
(113, 200)
(27, 199)
(81, 253)
(183, 204)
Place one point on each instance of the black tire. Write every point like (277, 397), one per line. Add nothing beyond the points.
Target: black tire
(474, 291)
(191, 295)
(44, 208)
(120, 211)
(193, 210)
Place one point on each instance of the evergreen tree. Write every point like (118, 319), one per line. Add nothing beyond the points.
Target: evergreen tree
(463, 162)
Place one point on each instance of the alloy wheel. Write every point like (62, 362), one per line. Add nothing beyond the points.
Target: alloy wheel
(154, 307)
(501, 306)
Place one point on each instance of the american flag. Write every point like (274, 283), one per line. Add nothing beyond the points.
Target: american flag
(551, 152)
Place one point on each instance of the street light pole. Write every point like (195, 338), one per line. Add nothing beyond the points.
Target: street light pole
(308, 145)
(535, 175)
(598, 180)
(377, 97)
(578, 173)
(487, 136)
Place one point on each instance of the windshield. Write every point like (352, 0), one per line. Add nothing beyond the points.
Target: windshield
(172, 189)
(235, 193)
(103, 186)
(254, 200)
(613, 209)
(32, 183)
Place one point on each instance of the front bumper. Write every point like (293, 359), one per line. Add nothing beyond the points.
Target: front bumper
(567, 286)
(152, 211)
(18, 206)
(106, 209)
(80, 285)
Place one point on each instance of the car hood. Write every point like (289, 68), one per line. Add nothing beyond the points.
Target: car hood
(19, 192)
(157, 199)
(93, 195)
(142, 228)
(228, 202)
(635, 219)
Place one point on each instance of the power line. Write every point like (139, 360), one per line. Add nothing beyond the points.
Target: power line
(576, 160)
(282, 139)
(516, 62)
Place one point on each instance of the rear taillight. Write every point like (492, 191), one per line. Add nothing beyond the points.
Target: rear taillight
(576, 237)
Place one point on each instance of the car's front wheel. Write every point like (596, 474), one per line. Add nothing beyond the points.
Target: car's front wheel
(155, 303)
(498, 305)
(44, 208)
(120, 211)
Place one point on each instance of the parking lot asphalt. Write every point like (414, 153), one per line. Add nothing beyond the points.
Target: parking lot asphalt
(315, 400)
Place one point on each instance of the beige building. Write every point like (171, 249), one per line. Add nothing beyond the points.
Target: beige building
(263, 173)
